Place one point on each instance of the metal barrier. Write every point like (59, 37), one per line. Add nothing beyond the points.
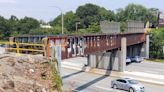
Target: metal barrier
(11, 43)
(22, 45)
(25, 47)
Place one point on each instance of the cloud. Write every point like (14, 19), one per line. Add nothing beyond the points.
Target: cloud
(7, 1)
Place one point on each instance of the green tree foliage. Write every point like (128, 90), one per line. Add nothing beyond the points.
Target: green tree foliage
(135, 12)
(41, 31)
(86, 15)
(26, 24)
(153, 16)
(13, 26)
(14, 21)
(123, 26)
(91, 13)
(138, 13)
(157, 43)
(5, 28)
(89, 16)
(120, 15)
(83, 31)
(70, 19)
(93, 28)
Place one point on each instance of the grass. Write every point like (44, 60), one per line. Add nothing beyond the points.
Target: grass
(50, 73)
(56, 81)
(156, 60)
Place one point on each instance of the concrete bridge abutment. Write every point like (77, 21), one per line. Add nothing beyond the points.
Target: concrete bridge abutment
(110, 60)
(141, 49)
(116, 59)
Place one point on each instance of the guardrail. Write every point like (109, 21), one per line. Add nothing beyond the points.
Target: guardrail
(24, 47)
(11, 43)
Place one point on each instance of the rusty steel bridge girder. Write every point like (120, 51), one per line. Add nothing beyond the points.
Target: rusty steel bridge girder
(100, 43)
(86, 44)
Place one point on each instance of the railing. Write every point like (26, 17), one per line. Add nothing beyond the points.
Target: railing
(20, 47)
(77, 45)
(11, 43)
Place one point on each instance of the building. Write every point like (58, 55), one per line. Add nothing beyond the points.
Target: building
(161, 19)
(45, 26)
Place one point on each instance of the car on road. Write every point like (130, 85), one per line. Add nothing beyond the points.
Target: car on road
(136, 59)
(3, 45)
(127, 84)
(128, 60)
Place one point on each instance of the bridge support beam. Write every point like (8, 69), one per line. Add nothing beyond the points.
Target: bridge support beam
(147, 46)
(111, 60)
(143, 50)
(123, 53)
(107, 60)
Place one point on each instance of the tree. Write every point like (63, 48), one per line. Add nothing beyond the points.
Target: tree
(70, 20)
(5, 28)
(106, 15)
(153, 16)
(91, 13)
(136, 12)
(89, 16)
(156, 43)
(41, 31)
(93, 28)
(120, 16)
(26, 24)
(13, 24)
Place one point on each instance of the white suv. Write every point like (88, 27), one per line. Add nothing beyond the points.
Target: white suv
(128, 60)
(137, 59)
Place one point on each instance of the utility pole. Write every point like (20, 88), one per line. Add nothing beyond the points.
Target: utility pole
(77, 23)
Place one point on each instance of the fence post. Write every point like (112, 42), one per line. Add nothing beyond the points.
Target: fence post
(45, 43)
(17, 49)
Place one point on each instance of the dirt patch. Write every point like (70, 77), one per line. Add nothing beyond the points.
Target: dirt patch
(27, 73)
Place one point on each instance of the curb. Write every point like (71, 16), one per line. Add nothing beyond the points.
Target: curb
(72, 66)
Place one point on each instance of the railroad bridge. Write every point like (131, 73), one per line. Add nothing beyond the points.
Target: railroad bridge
(107, 50)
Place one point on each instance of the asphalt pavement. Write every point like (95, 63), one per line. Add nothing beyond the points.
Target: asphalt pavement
(80, 81)
(147, 67)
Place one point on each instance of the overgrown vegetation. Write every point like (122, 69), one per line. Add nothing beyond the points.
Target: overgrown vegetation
(157, 43)
(49, 72)
(56, 81)
(158, 60)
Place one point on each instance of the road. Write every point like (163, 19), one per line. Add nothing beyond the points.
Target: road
(147, 67)
(88, 82)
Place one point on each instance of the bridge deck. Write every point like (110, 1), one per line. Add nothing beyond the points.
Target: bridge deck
(85, 44)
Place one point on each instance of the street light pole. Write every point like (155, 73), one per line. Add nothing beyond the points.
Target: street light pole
(62, 18)
(77, 23)
(76, 28)
(62, 23)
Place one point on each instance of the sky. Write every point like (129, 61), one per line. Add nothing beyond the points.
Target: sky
(47, 10)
